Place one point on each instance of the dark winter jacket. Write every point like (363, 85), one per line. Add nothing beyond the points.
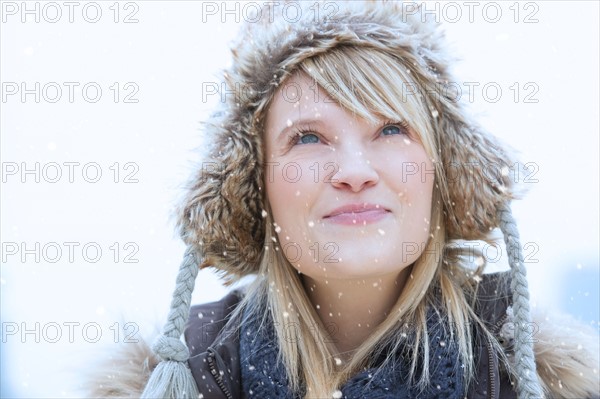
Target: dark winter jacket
(566, 353)
(215, 362)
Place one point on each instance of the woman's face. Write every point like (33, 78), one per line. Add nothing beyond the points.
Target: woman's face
(349, 199)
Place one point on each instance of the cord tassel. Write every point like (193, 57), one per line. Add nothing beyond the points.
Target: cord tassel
(172, 378)
(528, 386)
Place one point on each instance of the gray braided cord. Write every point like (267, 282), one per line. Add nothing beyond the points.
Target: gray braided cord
(172, 377)
(182, 297)
(528, 386)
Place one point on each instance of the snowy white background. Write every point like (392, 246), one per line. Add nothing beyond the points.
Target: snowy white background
(167, 55)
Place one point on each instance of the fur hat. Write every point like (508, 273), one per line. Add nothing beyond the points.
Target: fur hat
(222, 220)
(223, 214)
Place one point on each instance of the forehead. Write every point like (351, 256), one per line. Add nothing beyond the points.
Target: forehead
(300, 92)
(301, 99)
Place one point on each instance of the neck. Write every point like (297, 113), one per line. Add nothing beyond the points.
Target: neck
(352, 309)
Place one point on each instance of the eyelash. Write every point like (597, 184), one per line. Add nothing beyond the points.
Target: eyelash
(403, 125)
(301, 132)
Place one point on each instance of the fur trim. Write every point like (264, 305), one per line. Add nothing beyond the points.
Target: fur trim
(223, 217)
(567, 356)
(125, 374)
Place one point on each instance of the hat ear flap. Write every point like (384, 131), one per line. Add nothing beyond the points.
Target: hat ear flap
(477, 170)
(221, 216)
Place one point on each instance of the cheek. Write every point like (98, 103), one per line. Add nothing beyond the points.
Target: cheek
(291, 192)
(413, 177)
(420, 183)
(422, 197)
(410, 170)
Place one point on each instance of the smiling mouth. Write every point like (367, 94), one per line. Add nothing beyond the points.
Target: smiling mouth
(357, 216)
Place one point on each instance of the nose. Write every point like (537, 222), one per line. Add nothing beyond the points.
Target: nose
(354, 172)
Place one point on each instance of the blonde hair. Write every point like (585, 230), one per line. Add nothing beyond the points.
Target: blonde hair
(372, 84)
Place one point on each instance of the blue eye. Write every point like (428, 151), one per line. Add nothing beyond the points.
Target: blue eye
(391, 130)
(308, 138)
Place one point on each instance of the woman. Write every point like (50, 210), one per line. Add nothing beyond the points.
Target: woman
(344, 175)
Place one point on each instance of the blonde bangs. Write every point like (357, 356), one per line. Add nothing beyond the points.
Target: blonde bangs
(374, 86)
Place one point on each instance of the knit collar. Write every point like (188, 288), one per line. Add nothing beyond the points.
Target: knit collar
(264, 375)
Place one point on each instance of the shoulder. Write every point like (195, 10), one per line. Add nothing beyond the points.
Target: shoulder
(493, 299)
(126, 371)
(212, 338)
(206, 321)
(566, 350)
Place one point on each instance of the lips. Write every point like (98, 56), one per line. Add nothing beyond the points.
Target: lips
(357, 214)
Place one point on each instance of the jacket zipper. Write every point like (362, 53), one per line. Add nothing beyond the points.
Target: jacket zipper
(490, 351)
(491, 377)
(499, 324)
(213, 370)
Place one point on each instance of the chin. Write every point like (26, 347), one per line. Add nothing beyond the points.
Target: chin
(355, 269)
